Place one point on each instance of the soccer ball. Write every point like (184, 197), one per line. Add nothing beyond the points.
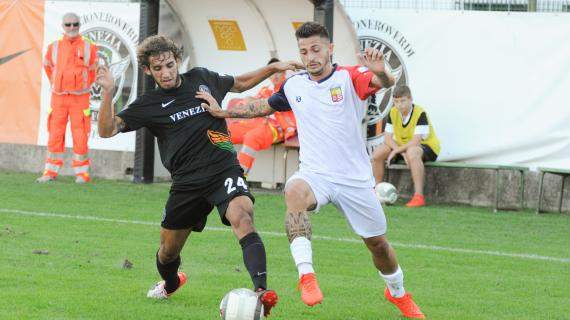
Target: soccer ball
(386, 192)
(241, 304)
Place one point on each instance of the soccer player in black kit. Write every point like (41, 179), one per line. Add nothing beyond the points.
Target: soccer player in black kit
(196, 149)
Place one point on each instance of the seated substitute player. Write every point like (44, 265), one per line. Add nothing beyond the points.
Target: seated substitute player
(197, 151)
(409, 135)
(329, 102)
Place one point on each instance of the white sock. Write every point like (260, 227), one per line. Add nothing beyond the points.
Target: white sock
(395, 283)
(303, 255)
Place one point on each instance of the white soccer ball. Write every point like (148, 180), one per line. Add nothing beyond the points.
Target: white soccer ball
(386, 192)
(241, 304)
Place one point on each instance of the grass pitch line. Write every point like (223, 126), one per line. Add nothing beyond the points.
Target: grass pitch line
(280, 234)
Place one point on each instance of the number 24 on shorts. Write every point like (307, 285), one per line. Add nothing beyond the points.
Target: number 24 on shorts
(229, 183)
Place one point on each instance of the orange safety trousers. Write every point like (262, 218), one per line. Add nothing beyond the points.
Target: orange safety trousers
(254, 135)
(76, 109)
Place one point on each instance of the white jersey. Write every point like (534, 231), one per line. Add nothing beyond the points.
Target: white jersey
(329, 117)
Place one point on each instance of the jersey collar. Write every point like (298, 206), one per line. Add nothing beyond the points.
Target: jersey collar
(175, 89)
(406, 120)
(334, 66)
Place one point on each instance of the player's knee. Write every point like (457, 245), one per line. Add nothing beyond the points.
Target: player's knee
(168, 253)
(295, 192)
(242, 223)
(240, 212)
(241, 219)
(381, 154)
(378, 245)
(414, 154)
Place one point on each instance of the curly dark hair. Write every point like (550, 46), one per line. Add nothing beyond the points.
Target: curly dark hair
(309, 29)
(154, 46)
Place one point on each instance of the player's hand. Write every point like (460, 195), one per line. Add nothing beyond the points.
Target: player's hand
(287, 65)
(373, 59)
(104, 78)
(212, 105)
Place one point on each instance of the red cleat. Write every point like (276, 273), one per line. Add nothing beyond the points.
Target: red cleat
(310, 292)
(269, 299)
(406, 305)
(158, 291)
(418, 200)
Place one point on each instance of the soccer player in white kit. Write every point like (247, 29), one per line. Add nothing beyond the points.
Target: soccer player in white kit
(329, 102)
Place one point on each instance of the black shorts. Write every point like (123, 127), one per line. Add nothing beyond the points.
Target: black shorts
(427, 155)
(190, 209)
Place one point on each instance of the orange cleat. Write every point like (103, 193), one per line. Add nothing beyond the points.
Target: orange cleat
(269, 299)
(310, 292)
(418, 200)
(182, 278)
(406, 305)
(158, 291)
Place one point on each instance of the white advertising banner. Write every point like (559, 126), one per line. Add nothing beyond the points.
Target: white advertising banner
(114, 28)
(495, 85)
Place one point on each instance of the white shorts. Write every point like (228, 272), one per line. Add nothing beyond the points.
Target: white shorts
(360, 206)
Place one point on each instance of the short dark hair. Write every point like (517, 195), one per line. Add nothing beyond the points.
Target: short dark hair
(154, 46)
(402, 91)
(309, 29)
(272, 60)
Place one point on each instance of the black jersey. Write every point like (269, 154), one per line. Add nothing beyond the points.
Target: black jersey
(194, 146)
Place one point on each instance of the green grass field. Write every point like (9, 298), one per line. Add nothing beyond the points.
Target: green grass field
(459, 262)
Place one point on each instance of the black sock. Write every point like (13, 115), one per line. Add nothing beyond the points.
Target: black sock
(254, 259)
(169, 273)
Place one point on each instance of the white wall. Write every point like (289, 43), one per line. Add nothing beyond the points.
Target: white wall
(496, 85)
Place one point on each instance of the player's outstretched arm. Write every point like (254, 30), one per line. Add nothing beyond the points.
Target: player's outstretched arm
(373, 59)
(256, 108)
(108, 124)
(249, 80)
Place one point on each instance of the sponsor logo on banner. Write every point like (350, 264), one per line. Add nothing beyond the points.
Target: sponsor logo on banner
(395, 48)
(116, 42)
(228, 35)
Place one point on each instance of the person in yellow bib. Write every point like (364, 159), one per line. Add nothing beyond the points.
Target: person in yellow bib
(409, 135)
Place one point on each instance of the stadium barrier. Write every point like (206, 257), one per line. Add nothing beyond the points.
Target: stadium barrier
(461, 165)
(559, 172)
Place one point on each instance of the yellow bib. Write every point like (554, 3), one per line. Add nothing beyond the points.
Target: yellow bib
(403, 134)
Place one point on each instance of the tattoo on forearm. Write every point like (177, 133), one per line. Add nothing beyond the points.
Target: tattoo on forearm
(297, 224)
(256, 108)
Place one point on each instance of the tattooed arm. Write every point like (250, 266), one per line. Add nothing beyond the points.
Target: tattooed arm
(256, 108)
(108, 124)
(249, 80)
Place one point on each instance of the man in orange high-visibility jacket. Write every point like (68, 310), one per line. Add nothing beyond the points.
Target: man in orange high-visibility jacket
(260, 133)
(70, 66)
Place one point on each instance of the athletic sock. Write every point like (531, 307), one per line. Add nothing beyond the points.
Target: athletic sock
(395, 283)
(254, 259)
(169, 273)
(303, 255)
